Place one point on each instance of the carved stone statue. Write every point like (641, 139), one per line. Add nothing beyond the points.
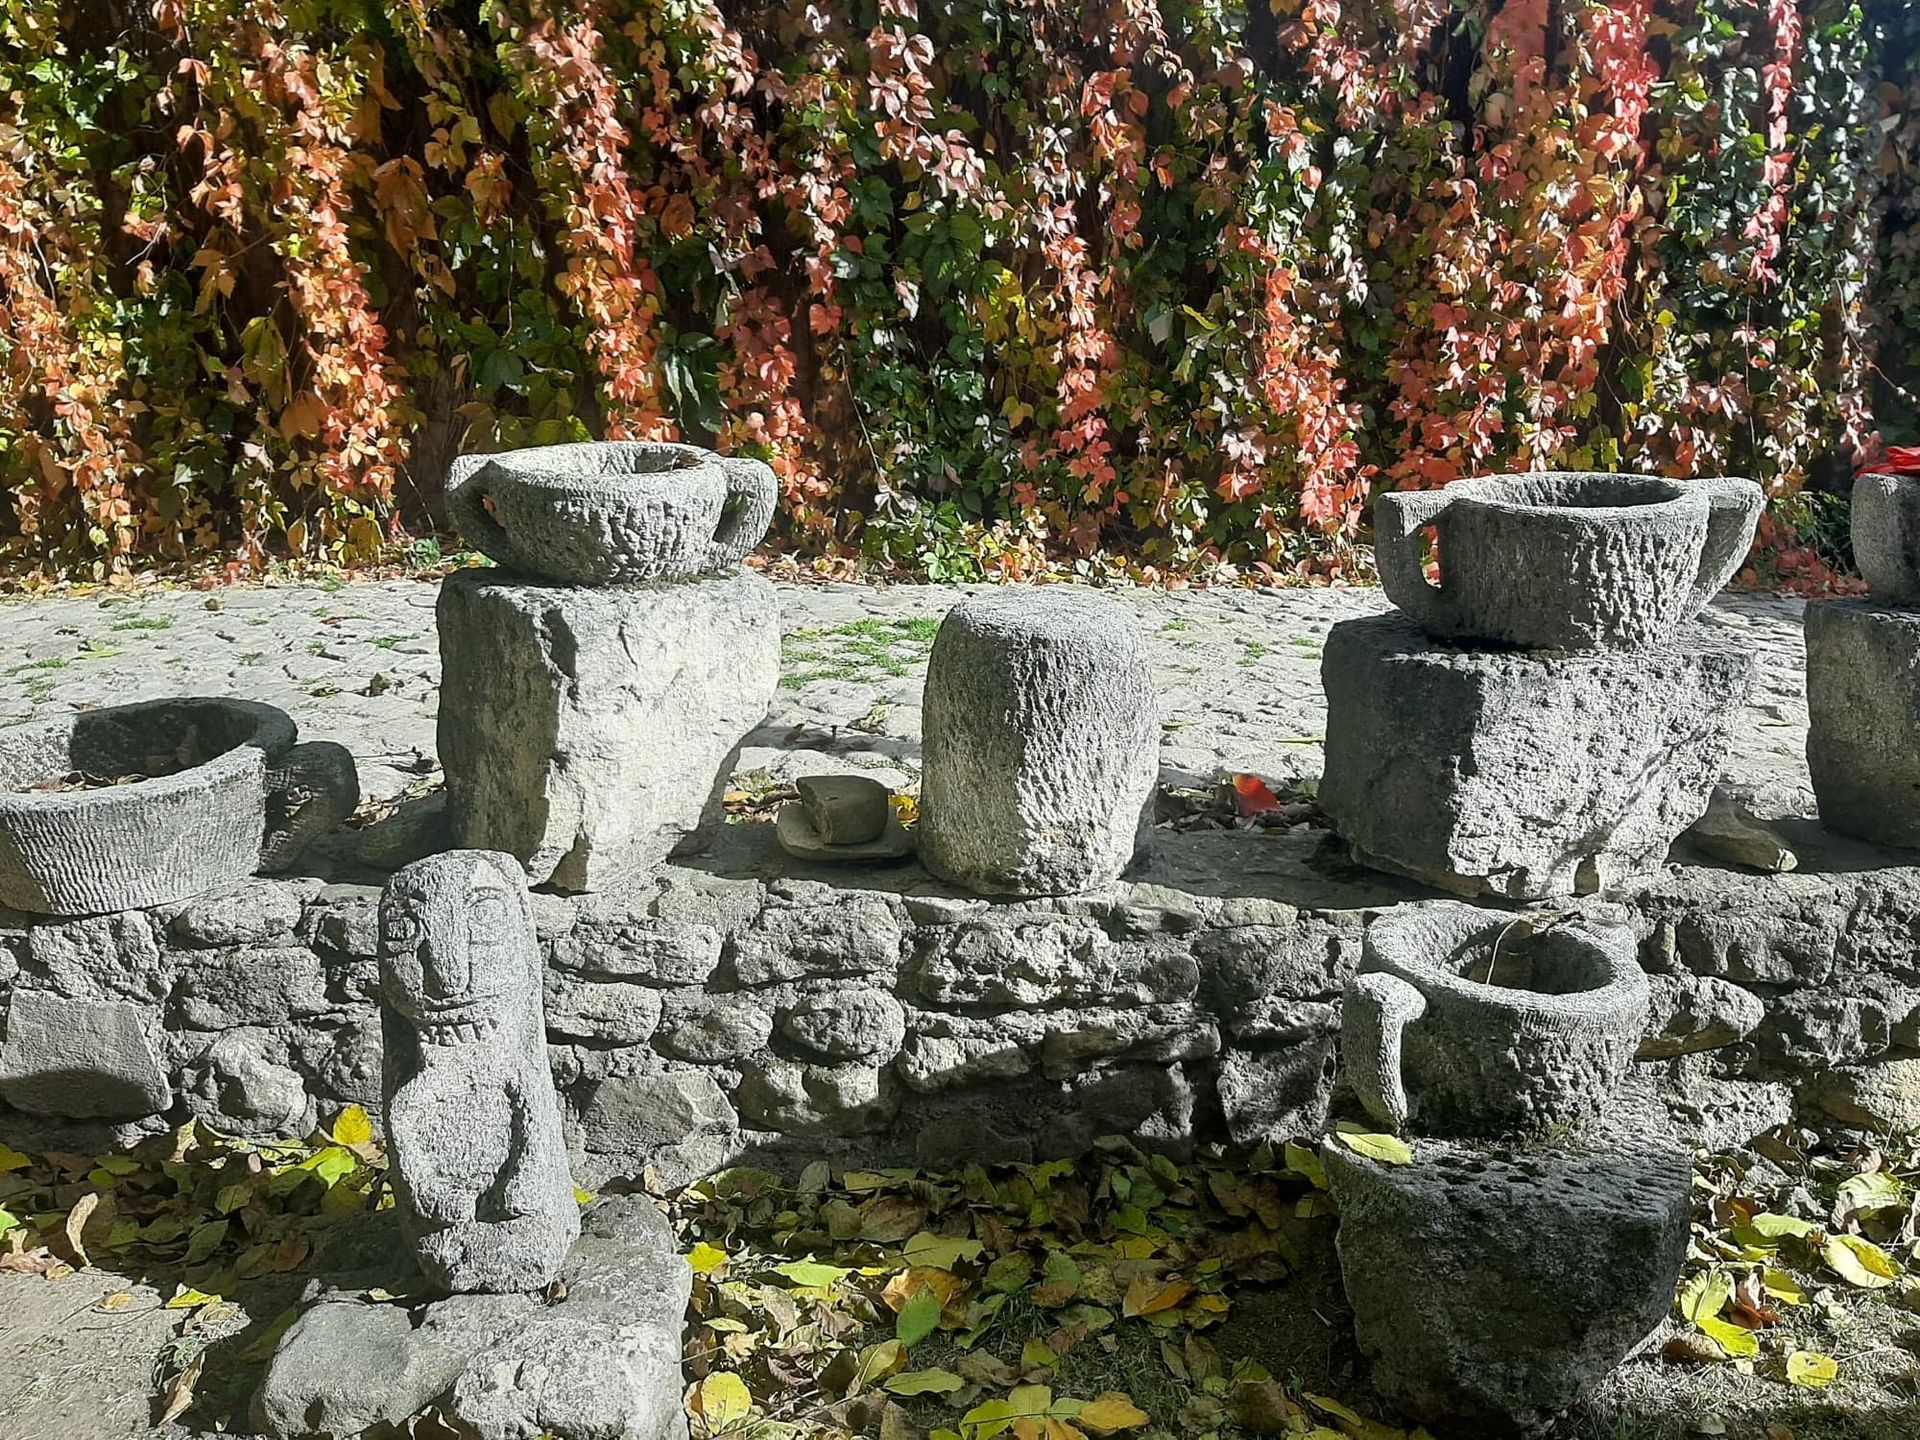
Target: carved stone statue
(473, 1126)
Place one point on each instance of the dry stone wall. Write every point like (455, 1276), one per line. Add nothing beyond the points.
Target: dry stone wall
(745, 1007)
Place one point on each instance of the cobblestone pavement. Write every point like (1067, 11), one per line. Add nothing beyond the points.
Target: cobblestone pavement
(1238, 672)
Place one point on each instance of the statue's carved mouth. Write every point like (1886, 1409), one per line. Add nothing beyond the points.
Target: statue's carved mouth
(457, 1022)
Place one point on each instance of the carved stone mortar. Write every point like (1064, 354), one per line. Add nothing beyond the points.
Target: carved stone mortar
(1573, 561)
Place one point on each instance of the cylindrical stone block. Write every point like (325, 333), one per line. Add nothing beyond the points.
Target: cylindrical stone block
(1863, 719)
(1041, 744)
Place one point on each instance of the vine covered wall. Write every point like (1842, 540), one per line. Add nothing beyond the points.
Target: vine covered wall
(995, 285)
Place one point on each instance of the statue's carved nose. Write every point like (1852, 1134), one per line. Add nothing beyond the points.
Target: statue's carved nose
(444, 968)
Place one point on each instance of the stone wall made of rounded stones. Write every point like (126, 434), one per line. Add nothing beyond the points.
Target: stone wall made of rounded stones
(735, 1012)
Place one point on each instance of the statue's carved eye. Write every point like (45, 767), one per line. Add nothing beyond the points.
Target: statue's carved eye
(399, 927)
(486, 914)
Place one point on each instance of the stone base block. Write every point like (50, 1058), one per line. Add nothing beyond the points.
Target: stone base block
(1523, 775)
(601, 1364)
(590, 733)
(1499, 1288)
(1863, 714)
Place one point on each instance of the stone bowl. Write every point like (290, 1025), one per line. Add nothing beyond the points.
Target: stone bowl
(253, 802)
(612, 512)
(1886, 536)
(1573, 561)
(1430, 1043)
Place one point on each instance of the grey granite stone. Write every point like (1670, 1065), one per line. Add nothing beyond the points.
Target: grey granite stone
(590, 733)
(1497, 1289)
(1517, 775)
(852, 1022)
(816, 1100)
(1885, 524)
(680, 1126)
(1863, 714)
(713, 1029)
(1041, 736)
(1466, 1021)
(473, 1125)
(83, 1059)
(1564, 561)
(612, 512)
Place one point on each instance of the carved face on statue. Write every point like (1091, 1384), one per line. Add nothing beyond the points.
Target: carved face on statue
(456, 945)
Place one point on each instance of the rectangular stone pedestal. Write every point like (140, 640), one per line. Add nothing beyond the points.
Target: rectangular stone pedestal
(1520, 774)
(1863, 714)
(591, 732)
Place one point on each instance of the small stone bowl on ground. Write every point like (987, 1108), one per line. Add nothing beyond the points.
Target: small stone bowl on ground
(613, 512)
(1574, 561)
(1465, 1021)
(1885, 525)
(1040, 741)
(221, 788)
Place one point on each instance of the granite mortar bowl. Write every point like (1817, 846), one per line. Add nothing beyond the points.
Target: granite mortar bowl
(1471, 1022)
(1570, 561)
(169, 837)
(616, 512)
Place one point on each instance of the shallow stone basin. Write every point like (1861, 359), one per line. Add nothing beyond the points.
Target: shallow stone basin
(148, 842)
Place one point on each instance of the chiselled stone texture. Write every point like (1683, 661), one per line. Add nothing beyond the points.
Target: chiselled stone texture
(1477, 1022)
(1198, 1001)
(473, 1125)
(590, 733)
(617, 512)
(1498, 1288)
(1041, 743)
(171, 837)
(1863, 713)
(1567, 560)
(1521, 775)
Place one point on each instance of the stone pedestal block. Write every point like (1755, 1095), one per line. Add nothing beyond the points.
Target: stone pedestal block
(1863, 713)
(1500, 1288)
(1524, 775)
(590, 732)
(1042, 744)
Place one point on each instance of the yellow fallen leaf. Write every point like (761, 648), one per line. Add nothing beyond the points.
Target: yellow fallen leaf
(1387, 1149)
(723, 1401)
(1783, 1287)
(1812, 1369)
(118, 1300)
(1738, 1343)
(354, 1127)
(11, 1159)
(187, 1298)
(705, 1259)
(1148, 1296)
(924, 1382)
(1110, 1412)
(1705, 1294)
(583, 1198)
(1860, 1262)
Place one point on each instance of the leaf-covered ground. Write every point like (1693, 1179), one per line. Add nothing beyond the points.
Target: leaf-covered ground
(1118, 1295)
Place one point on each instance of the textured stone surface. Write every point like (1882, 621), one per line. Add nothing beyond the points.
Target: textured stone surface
(611, 512)
(1523, 776)
(603, 1363)
(310, 790)
(1863, 712)
(162, 839)
(1464, 1021)
(800, 838)
(80, 1058)
(1885, 524)
(1564, 561)
(1040, 740)
(1883, 1097)
(479, 1165)
(590, 733)
(1498, 1288)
